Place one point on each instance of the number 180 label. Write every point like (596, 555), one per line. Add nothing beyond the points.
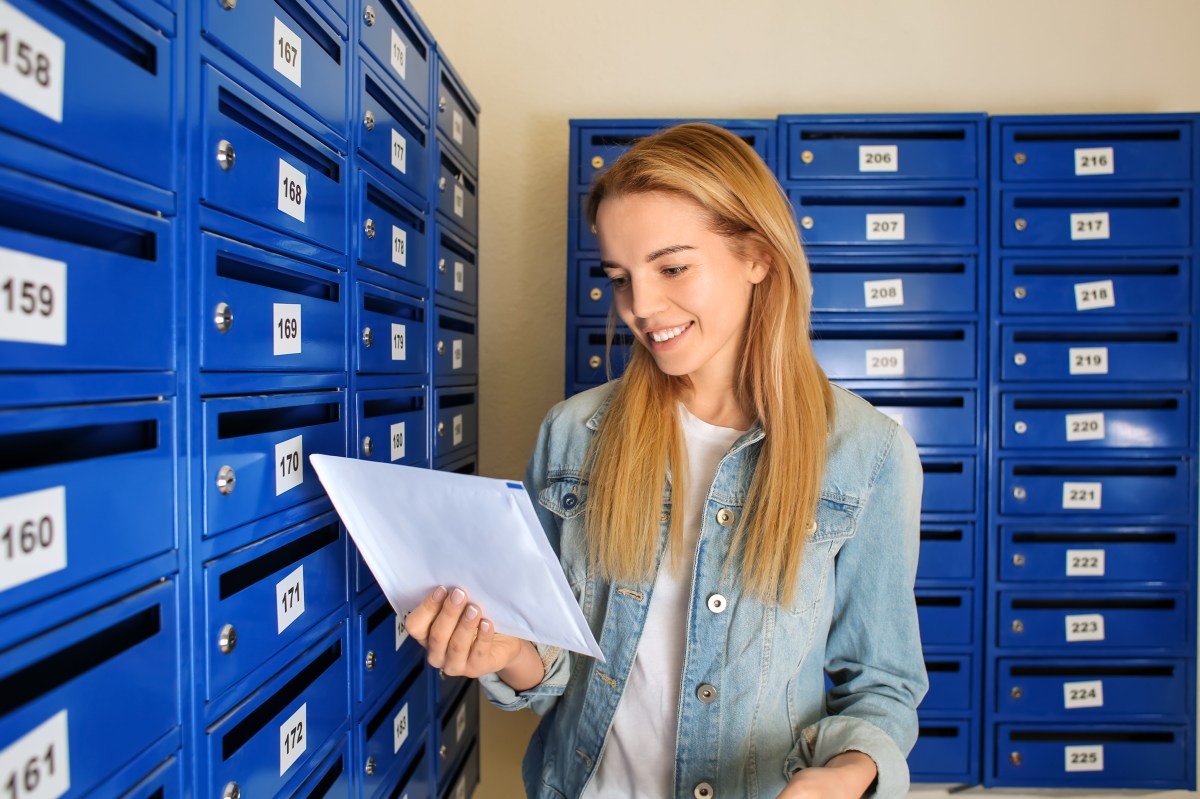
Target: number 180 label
(35, 766)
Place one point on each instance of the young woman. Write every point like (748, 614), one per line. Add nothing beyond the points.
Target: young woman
(741, 535)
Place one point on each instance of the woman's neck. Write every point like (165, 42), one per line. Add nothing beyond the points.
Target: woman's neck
(719, 409)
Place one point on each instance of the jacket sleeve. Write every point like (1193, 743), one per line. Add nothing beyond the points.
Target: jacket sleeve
(873, 653)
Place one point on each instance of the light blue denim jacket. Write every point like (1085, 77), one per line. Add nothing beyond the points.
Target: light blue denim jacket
(853, 617)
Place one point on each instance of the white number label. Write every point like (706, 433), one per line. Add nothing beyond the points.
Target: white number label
(456, 429)
(33, 536)
(399, 246)
(459, 276)
(1085, 627)
(460, 788)
(460, 722)
(1089, 226)
(397, 441)
(293, 739)
(885, 363)
(289, 598)
(1085, 562)
(32, 63)
(1090, 296)
(293, 190)
(35, 766)
(883, 293)
(286, 325)
(1081, 496)
(400, 729)
(1094, 161)
(289, 463)
(33, 298)
(878, 158)
(456, 349)
(456, 126)
(399, 343)
(401, 633)
(1084, 758)
(1083, 694)
(1085, 426)
(1088, 360)
(885, 227)
(459, 200)
(399, 152)
(287, 52)
(399, 55)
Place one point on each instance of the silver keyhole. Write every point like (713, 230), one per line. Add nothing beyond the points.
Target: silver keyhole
(232, 791)
(227, 640)
(1020, 224)
(229, 5)
(369, 119)
(441, 264)
(370, 661)
(370, 769)
(594, 361)
(442, 183)
(441, 348)
(441, 428)
(1015, 758)
(442, 752)
(595, 294)
(1019, 159)
(1018, 559)
(223, 317)
(368, 337)
(1020, 493)
(807, 222)
(1020, 427)
(1016, 692)
(369, 15)
(1019, 292)
(368, 446)
(1019, 359)
(225, 154)
(369, 228)
(225, 480)
(1018, 626)
(442, 104)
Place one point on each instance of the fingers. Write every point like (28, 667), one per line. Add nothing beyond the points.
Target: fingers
(443, 626)
(461, 645)
(421, 619)
(479, 661)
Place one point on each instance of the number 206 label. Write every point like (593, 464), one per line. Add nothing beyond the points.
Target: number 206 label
(35, 766)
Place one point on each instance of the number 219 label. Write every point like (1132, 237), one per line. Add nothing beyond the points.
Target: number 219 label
(35, 766)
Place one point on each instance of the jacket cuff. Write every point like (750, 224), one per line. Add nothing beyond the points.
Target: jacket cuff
(833, 735)
(541, 697)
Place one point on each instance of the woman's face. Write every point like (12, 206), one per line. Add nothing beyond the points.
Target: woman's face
(677, 285)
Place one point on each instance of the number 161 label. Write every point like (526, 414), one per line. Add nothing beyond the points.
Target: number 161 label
(35, 766)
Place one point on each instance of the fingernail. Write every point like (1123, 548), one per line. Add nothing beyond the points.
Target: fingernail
(439, 593)
(485, 626)
(457, 596)
(472, 612)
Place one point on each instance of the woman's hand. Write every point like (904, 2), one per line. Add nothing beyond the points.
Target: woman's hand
(847, 776)
(460, 642)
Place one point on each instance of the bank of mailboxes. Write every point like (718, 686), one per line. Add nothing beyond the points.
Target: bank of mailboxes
(203, 294)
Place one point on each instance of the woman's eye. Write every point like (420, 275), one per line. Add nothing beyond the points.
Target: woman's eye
(619, 281)
(674, 271)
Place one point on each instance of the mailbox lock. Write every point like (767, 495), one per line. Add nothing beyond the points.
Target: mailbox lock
(225, 154)
(441, 348)
(369, 228)
(1018, 626)
(1019, 292)
(1020, 427)
(442, 752)
(1015, 758)
(597, 162)
(232, 791)
(594, 362)
(229, 5)
(806, 222)
(1019, 359)
(442, 104)
(441, 264)
(369, 119)
(367, 447)
(1019, 159)
(369, 15)
(370, 661)
(223, 318)
(368, 337)
(227, 640)
(370, 769)
(595, 294)
(1018, 559)
(225, 480)
(1016, 692)
(1019, 493)
(442, 183)
(807, 156)
(1020, 224)
(441, 428)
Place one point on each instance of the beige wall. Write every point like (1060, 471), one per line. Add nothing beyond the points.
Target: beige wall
(534, 64)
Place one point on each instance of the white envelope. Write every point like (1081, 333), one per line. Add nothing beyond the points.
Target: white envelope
(419, 528)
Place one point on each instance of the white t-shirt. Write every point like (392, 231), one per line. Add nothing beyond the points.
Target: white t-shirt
(638, 759)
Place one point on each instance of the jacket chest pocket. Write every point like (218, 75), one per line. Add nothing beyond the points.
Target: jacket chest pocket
(566, 498)
(834, 526)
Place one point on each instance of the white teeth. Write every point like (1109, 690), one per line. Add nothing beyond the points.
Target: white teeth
(667, 335)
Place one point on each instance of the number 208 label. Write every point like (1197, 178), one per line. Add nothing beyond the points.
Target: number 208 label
(35, 766)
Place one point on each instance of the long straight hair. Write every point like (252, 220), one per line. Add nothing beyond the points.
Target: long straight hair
(638, 446)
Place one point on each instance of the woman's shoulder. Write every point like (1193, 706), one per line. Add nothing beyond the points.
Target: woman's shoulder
(862, 439)
(578, 410)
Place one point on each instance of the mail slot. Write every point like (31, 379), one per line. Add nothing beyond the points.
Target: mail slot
(928, 285)
(164, 781)
(946, 617)
(446, 690)
(330, 779)
(457, 112)
(1092, 689)
(393, 334)
(264, 596)
(256, 453)
(944, 418)
(392, 233)
(467, 464)
(1096, 286)
(457, 269)
(391, 136)
(883, 149)
(1095, 220)
(1094, 756)
(393, 426)
(1128, 622)
(273, 734)
(60, 469)
(599, 145)
(886, 216)
(949, 484)
(92, 694)
(464, 781)
(66, 260)
(384, 649)
(457, 197)
(947, 551)
(291, 47)
(80, 67)
(1100, 151)
(944, 751)
(455, 347)
(1093, 354)
(412, 780)
(459, 729)
(394, 730)
(593, 290)
(262, 167)
(592, 354)
(395, 38)
(951, 679)
(264, 311)
(1099, 487)
(1074, 555)
(1094, 421)
(456, 423)
(917, 352)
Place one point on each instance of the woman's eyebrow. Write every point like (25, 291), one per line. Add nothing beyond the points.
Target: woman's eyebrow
(654, 256)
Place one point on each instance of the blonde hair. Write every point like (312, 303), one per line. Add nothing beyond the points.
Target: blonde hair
(638, 445)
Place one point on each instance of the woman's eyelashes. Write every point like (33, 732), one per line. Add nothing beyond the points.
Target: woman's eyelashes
(619, 281)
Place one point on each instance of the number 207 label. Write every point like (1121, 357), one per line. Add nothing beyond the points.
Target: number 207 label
(35, 766)
(885, 227)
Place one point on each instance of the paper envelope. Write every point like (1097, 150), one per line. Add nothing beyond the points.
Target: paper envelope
(419, 528)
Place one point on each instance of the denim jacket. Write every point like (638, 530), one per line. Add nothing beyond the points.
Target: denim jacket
(766, 710)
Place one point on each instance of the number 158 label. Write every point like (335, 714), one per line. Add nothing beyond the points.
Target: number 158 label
(31, 64)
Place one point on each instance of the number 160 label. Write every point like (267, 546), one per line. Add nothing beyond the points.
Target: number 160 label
(35, 766)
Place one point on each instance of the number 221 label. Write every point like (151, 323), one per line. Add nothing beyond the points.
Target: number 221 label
(35, 766)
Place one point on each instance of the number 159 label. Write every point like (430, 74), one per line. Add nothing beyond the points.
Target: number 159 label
(33, 298)
(35, 766)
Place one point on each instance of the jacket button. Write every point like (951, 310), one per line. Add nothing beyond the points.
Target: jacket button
(724, 517)
(703, 791)
(717, 603)
(812, 527)
(570, 500)
(706, 694)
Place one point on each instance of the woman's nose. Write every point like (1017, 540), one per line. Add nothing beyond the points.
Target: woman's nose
(645, 300)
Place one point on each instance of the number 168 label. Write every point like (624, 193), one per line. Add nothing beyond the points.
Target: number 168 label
(293, 190)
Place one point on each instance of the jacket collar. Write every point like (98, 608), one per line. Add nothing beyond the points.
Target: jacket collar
(751, 436)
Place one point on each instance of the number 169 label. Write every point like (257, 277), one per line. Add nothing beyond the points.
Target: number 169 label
(35, 766)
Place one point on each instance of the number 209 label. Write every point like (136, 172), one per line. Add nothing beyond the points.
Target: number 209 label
(35, 766)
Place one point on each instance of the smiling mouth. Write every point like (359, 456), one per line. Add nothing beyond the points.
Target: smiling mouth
(660, 336)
